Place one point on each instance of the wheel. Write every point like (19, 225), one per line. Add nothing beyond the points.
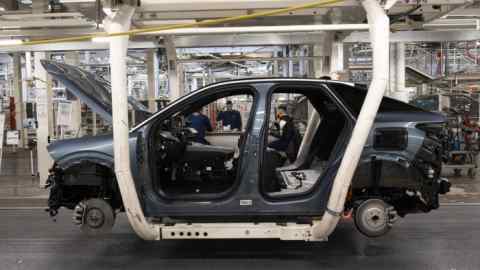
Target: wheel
(97, 216)
(472, 172)
(374, 217)
(457, 172)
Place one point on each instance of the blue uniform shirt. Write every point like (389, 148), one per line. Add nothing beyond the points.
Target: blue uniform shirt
(231, 118)
(201, 124)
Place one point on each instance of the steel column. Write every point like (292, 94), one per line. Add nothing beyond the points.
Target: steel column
(44, 108)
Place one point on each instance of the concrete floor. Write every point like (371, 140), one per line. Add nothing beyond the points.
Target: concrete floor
(445, 239)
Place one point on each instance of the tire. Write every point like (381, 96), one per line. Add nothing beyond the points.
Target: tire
(98, 217)
(372, 218)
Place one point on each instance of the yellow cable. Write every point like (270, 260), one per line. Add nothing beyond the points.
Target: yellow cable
(133, 32)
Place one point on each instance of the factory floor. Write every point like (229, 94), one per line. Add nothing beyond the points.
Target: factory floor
(444, 239)
(18, 187)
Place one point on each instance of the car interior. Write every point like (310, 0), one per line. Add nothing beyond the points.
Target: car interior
(194, 155)
(318, 125)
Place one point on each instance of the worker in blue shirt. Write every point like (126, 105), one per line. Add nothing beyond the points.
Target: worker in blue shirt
(201, 124)
(230, 117)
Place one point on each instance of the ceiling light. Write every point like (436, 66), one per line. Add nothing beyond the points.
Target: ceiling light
(101, 39)
(6, 42)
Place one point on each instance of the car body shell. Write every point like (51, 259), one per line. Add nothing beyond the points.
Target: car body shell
(246, 199)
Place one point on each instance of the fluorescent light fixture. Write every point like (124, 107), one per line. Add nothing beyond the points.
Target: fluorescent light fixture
(101, 39)
(6, 42)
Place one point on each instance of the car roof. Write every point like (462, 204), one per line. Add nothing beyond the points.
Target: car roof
(251, 81)
(279, 79)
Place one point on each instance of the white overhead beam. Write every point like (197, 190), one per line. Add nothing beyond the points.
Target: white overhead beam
(466, 12)
(419, 36)
(75, 46)
(197, 5)
(57, 23)
(52, 32)
(21, 16)
(234, 40)
(209, 14)
(453, 23)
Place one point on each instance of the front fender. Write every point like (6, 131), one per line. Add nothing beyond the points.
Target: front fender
(88, 156)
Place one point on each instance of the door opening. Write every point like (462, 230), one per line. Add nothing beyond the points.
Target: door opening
(304, 129)
(196, 151)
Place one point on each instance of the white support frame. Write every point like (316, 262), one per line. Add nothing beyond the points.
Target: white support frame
(320, 229)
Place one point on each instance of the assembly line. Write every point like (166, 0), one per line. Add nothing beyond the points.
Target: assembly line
(332, 134)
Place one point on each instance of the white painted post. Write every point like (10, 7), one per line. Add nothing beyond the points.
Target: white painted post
(174, 84)
(152, 73)
(336, 59)
(43, 109)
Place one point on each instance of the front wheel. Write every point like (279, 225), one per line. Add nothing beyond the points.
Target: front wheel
(95, 216)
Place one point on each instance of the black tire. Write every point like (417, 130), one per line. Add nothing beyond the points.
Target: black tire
(98, 217)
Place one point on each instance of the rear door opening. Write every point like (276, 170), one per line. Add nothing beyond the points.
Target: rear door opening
(305, 126)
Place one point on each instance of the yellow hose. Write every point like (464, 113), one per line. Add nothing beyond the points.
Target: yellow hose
(133, 32)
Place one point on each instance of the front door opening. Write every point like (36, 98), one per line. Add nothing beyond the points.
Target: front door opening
(197, 150)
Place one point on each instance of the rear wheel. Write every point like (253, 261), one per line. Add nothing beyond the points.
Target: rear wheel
(374, 217)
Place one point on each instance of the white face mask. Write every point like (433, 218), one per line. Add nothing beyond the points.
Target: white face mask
(282, 124)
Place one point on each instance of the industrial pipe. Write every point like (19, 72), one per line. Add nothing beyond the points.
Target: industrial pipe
(379, 37)
(118, 22)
